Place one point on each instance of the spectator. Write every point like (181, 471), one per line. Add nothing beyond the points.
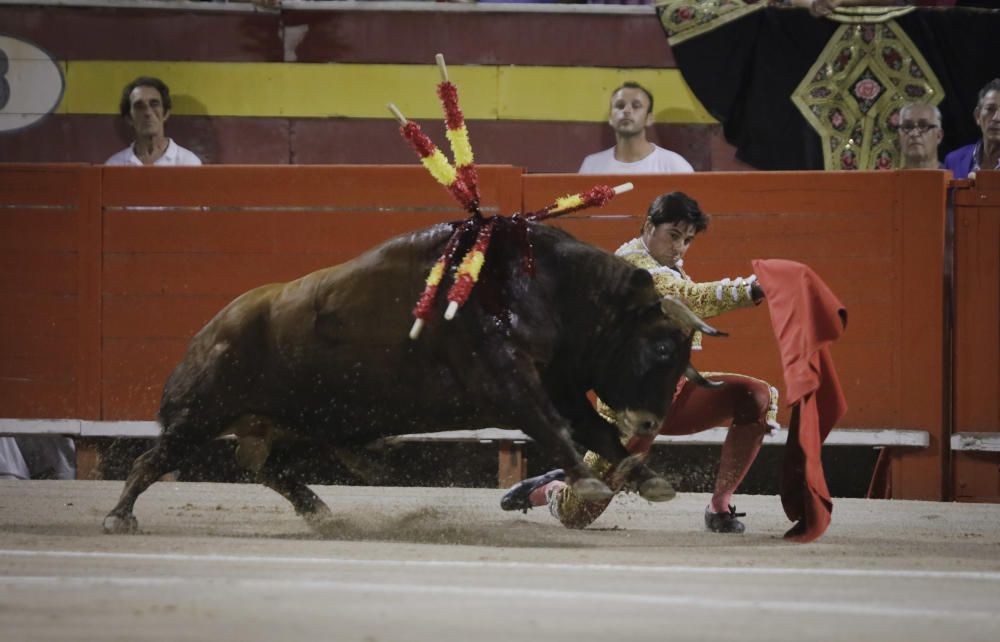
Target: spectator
(631, 114)
(985, 153)
(145, 106)
(37, 457)
(748, 405)
(919, 136)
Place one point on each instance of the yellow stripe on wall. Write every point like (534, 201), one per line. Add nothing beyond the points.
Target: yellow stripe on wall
(576, 94)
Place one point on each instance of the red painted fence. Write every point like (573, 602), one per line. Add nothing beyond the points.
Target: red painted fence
(107, 272)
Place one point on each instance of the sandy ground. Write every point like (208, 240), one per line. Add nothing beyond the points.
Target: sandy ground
(233, 562)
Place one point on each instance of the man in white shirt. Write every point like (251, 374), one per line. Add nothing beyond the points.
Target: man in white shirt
(631, 114)
(145, 106)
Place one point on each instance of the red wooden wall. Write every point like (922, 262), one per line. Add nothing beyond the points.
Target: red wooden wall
(977, 333)
(50, 275)
(107, 272)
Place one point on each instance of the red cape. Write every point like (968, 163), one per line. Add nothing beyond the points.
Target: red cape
(806, 317)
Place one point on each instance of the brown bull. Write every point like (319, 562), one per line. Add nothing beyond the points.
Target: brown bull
(326, 361)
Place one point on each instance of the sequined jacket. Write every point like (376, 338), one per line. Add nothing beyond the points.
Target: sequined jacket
(707, 299)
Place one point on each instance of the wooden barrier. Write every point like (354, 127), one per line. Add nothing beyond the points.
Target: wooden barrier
(976, 460)
(50, 262)
(155, 252)
(875, 238)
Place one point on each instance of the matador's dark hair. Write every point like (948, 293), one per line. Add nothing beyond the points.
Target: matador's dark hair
(677, 207)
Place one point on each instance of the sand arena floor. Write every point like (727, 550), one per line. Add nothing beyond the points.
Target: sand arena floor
(233, 562)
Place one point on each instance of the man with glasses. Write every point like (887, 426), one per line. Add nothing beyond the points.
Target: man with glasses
(919, 136)
(985, 153)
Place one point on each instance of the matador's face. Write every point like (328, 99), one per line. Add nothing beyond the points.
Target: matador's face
(668, 242)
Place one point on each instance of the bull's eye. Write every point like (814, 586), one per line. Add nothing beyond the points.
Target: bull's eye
(663, 350)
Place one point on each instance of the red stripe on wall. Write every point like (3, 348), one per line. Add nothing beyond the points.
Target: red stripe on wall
(407, 37)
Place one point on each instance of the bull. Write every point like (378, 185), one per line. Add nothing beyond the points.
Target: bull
(325, 361)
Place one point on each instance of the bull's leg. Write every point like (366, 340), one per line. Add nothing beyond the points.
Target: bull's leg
(602, 438)
(586, 486)
(166, 456)
(279, 473)
(542, 421)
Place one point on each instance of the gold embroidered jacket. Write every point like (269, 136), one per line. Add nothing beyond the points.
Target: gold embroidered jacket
(707, 299)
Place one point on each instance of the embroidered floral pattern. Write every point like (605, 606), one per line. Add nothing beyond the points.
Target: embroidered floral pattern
(857, 85)
(684, 19)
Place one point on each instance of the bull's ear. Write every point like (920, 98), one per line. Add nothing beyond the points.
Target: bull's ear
(685, 318)
(640, 279)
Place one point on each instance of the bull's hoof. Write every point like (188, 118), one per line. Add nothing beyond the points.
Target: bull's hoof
(321, 520)
(592, 490)
(121, 525)
(657, 489)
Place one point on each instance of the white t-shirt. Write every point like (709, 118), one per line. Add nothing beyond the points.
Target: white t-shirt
(660, 161)
(174, 155)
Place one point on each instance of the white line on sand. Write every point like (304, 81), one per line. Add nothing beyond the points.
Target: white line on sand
(529, 596)
(990, 576)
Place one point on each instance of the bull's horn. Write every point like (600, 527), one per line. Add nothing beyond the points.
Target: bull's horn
(693, 375)
(682, 315)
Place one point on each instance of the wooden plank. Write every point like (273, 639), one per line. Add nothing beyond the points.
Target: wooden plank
(88, 344)
(42, 272)
(977, 330)
(880, 438)
(51, 185)
(977, 476)
(134, 372)
(918, 214)
(69, 427)
(142, 429)
(44, 229)
(42, 326)
(42, 223)
(512, 466)
(244, 231)
(215, 275)
(35, 367)
(365, 188)
(976, 441)
(719, 193)
(158, 317)
(20, 398)
(976, 468)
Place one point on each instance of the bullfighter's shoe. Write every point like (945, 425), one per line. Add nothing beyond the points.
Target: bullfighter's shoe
(518, 497)
(724, 522)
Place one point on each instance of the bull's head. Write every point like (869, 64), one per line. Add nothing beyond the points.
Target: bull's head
(649, 363)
